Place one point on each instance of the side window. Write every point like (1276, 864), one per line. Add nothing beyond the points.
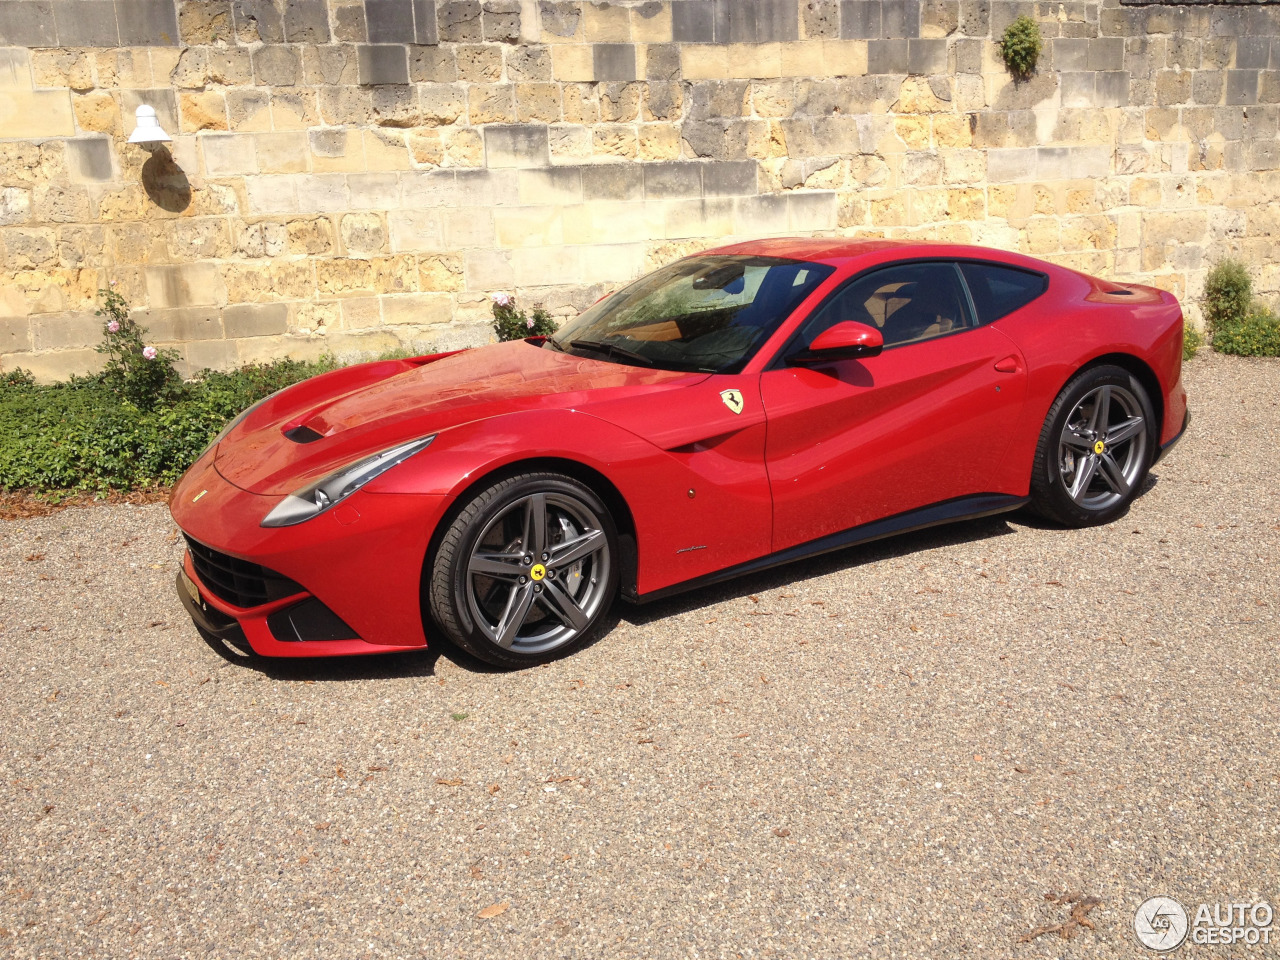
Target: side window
(908, 302)
(998, 291)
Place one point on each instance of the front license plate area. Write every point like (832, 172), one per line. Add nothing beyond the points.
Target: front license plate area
(189, 585)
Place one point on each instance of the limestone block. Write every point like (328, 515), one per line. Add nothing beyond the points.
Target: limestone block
(206, 110)
(441, 273)
(248, 110)
(463, 147)
(619, 102)
(276, 65)
(417, 309)
(527, 64)
(27, 248)
(262, 239)
(573, 63)
(310, 235)
(363, 234)
(491, 103)
(489, 270)
(538, 101)
(31, 114)
(651, 23)
(426, 146)
(271, 194)
(535, 266)
(386, 150)
(580, 103)
(479, 63)
(203, 22)
(569, 142)
(182, 286)
(610, 140)
(609, 22)
(204, 238)
(15, 205)
(468, 228)
(658, 141)
(229, 154)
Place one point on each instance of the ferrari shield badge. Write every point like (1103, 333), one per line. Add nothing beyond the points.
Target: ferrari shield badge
(732, 399)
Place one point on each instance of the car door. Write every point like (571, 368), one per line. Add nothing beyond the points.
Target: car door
(928, 419)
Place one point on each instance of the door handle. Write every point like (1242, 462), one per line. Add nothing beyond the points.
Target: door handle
(1008, 365)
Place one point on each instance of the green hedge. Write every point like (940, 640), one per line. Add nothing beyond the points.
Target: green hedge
(82, 435)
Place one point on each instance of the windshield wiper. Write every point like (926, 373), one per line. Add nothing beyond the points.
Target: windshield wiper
(552, 341)
(612, 349)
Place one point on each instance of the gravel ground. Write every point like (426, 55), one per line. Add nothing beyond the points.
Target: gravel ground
(894, 751)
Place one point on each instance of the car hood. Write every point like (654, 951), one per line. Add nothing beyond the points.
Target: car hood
(351, 413)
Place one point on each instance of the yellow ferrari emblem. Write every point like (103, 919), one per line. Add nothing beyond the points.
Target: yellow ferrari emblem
(732, 399)
(538, 571)
(1098, 447)
(197, 497)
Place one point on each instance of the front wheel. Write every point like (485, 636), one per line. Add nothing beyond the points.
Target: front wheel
(526, 570)
(1095, 449)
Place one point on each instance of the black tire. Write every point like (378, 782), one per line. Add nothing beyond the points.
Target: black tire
(526, 571)
(1095, 449)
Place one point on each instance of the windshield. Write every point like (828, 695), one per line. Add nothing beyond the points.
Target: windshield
(702, 313)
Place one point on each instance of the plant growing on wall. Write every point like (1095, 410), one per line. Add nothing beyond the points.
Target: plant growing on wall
(139, 373)
(1021, 47)
(512, 323)
(1228, 294)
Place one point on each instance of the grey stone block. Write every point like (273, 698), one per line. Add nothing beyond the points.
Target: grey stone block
(517, 145)
(1106, 53)
(433, 65)
(766, 213)
(1077, 88)
(732, 178)
(811, 210)
(1111, 88)
(887, 56)
(501, 20)
(255, 320)
(389, 21)
(1070, 54)
(90, 158)
(1275, 53)
(975, 18)
(1007, 165)
(261, 16)
(719, 139)
(1264, 154)
(717, 99)
(147, 23)
(613, 61)
(1242, 86)
(926, 57)
(424, 22)
(900, 18)
(460, 21)
(383, 63)
(551, 185)
(484, 188)
(662, 62)
(329, 142)
(1253, 53)
(561, 18)
(613, 181)
(86, 23)
(436, 188)
(860, 20)
(306, 21)
(1227, 22)
(673, 180)
(27, 24)
(276, 66)
(777, 20)
(1207, 86)
(693, 21)
(968, 55)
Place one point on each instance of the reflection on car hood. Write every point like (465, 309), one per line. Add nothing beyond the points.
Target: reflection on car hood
(361, 410)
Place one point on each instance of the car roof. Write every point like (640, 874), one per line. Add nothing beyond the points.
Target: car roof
(839, 250)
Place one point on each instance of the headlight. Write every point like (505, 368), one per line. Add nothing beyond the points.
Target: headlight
(313, 500)
(235, 421)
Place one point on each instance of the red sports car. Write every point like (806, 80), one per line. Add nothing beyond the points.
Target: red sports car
(729, 412)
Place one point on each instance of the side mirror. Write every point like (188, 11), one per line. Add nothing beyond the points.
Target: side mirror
(843, 341)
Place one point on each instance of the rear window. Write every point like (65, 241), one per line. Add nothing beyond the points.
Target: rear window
(998, 290)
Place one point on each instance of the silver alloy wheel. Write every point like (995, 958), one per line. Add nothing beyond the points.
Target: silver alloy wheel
(1102, 450)
(539, 573)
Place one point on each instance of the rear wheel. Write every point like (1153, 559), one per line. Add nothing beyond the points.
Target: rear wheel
(526, 571)
(1095, 449)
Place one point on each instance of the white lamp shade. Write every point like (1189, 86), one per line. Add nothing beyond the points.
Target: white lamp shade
(148, 129)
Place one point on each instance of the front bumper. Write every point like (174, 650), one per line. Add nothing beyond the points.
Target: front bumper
(361, 562)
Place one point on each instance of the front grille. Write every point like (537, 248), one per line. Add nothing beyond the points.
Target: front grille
(238, 582)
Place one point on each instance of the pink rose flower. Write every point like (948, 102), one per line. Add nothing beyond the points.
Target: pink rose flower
(529, 324)
(114, 326)
(149, 352)
(502, 299)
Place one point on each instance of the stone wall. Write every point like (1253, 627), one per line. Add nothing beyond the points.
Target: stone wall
(352, 176)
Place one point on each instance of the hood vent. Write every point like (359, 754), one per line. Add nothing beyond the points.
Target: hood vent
(303, 434)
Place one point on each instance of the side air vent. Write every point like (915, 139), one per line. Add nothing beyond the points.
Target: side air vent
(303, 434)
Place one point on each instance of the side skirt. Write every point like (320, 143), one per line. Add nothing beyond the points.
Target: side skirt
(949, 511)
